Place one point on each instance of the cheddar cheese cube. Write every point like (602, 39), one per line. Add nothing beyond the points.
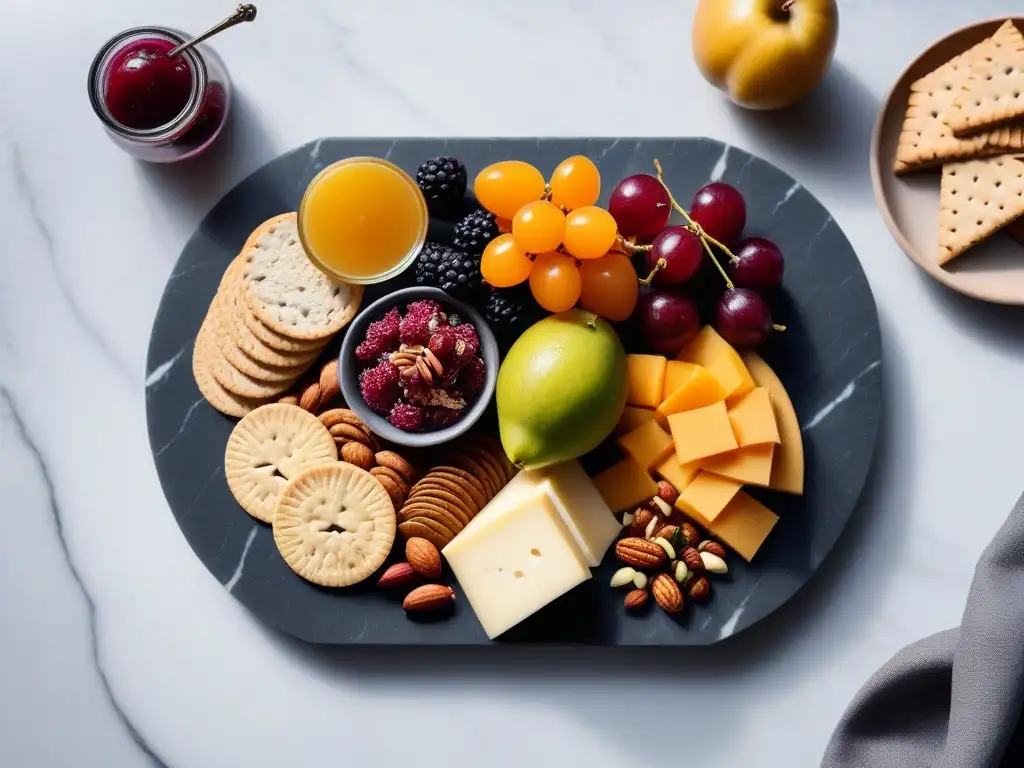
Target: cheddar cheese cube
(710, 350)
(645, 375)
(633, 417)
(697, 390)
(706, 496)
(680, 475)
(648, 444)
(753, 418)
(744, 525)
(702, 432)
(625, 484)
(751, 464)
(788, 463)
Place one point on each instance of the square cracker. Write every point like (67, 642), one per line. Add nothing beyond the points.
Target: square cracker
(977, 198)
(993, 94)
(926, 139)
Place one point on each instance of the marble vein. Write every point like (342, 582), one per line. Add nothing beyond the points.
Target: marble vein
(159, 373)
(25, 191)
(202, 491)
(230, 585)
(841, 398)
(786, 197)
(721, 166)
(181, 429)
(23, 437)
(730, 626)
(607, 149)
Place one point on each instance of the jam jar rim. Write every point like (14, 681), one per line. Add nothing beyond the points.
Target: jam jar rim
(182, 120)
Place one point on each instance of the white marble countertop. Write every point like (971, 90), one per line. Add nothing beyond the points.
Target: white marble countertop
(119, 649)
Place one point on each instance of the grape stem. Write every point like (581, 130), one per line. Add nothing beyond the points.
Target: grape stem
(659, 265)
(697, 229)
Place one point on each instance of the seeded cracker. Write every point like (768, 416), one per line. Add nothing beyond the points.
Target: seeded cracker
(993, 94)
(334, 525)
(289, 294)
(926, 139)
(978, 197)
(267, 448)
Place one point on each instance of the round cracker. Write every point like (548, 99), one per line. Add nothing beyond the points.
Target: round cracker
(334, 525)
(434, 511)
(272, 338)
(270, 446)
(472, 466)
(287, 292)
(204, 354)
(464, 480)
(273, 221)
(242, 384)
(496, 451)
(457, 506)
(424, 530)
(450, 486)
(250, 344)
(238, 358)
(491, 465)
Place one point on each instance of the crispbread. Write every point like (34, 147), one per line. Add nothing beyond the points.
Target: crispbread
(993, 93)
(204, 354)
(242, 384)
(232, 321)
(270, 446)
(426, 529)
(222, 322)
(450, 504)
(288, 293)
(334, 525)
(977, 198)
(926, 140)
(272, 338)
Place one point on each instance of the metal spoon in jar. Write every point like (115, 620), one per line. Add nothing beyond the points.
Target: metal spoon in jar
(244, 12)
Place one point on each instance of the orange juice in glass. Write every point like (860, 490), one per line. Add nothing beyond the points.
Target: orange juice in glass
(362, 220)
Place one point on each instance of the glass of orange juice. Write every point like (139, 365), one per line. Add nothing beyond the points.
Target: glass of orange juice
(362, 220)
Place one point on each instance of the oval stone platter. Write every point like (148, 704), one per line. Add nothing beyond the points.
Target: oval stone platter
(829, 359)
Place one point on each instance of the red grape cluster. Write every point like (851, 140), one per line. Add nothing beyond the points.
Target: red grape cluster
(753, 266)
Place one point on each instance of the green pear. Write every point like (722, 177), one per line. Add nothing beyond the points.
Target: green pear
(561, 389)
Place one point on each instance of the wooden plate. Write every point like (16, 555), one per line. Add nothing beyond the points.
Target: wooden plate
(992, 271)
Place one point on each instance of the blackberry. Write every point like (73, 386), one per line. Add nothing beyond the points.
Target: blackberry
(443, 181)
(503, 311)
(475, 231)
(453, 271)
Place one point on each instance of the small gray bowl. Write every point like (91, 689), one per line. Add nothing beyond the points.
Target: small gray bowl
(349, 367)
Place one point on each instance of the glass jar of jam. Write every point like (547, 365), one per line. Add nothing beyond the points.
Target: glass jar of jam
(157, 108)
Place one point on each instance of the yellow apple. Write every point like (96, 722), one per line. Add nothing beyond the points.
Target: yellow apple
(765, 54)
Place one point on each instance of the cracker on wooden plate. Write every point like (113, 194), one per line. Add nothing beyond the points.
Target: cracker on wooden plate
(289, 294)
(977, 198)
(204, 355)
(993, 93)
(270, 446)
(334, 525)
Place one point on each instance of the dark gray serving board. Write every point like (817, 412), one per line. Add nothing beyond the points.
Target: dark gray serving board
(829, 359)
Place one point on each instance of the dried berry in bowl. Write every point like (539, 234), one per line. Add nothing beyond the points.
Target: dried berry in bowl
(395, 355)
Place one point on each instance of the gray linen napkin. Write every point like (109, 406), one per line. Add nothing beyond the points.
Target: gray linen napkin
(952, 700)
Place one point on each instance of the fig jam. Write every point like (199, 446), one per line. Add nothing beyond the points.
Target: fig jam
(158, 108)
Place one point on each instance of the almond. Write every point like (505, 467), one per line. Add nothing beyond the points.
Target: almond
(637, 598)
(713, 547)
(429, 597)
(398, 575)
(393, 461)
(309, 399)
(423, 557)
(641, 517)
(700, 588)
(329, 386)
(358, 454)
(667, 593)
(394, 491)
(667, 492)
(640, 553)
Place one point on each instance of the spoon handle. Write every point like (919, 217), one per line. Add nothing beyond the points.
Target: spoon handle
(244, 12)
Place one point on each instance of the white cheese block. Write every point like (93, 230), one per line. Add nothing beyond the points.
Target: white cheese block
(575, 497)
(518, 558)
(582, 508)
